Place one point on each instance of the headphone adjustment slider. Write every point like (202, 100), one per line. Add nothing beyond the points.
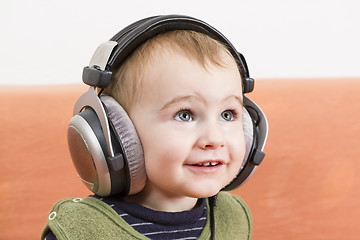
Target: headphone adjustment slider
(96, 77)
(249, 84)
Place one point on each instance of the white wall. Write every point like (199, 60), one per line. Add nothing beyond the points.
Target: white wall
(48, 42)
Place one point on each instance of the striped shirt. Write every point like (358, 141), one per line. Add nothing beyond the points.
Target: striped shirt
(156, 225)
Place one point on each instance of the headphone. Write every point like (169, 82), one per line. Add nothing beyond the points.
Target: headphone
(103, 143)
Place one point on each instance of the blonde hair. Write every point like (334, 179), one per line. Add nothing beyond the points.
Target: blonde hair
(125, 85)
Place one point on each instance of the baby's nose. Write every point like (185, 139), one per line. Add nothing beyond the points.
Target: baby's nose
(212, 138)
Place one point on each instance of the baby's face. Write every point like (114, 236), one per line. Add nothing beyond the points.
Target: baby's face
(190, 125)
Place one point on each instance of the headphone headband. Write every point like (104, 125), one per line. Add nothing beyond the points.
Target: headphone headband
(139, 32)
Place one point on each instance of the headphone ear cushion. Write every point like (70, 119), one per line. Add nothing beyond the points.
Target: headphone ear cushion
(248, 127)
(130, 142)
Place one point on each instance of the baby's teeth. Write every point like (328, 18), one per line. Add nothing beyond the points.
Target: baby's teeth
(206, 164)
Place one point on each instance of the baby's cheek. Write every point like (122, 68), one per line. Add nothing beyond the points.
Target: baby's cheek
(159, 158)
(237, 158)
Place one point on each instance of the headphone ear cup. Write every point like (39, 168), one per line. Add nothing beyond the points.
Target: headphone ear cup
(88, 150)
(128, 139)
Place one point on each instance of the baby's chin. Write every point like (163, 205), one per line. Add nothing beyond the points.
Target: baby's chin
(205, 192)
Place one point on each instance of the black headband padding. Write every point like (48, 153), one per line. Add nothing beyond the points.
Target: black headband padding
(139, 32)
(134, 35)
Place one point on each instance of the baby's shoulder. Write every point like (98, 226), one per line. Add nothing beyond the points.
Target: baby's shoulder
(228, 200)
(86, 218)
(232, 216)
(76, 206)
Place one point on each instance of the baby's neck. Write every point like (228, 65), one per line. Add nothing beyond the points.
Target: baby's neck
(161, 201)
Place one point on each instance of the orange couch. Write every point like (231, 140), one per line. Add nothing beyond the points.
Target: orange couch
(306, 188)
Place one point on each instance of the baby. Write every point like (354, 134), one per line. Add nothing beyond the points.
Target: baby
(167, 132)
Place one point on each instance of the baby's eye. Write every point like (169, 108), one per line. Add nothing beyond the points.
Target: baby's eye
(228, 115)
(184, 115)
